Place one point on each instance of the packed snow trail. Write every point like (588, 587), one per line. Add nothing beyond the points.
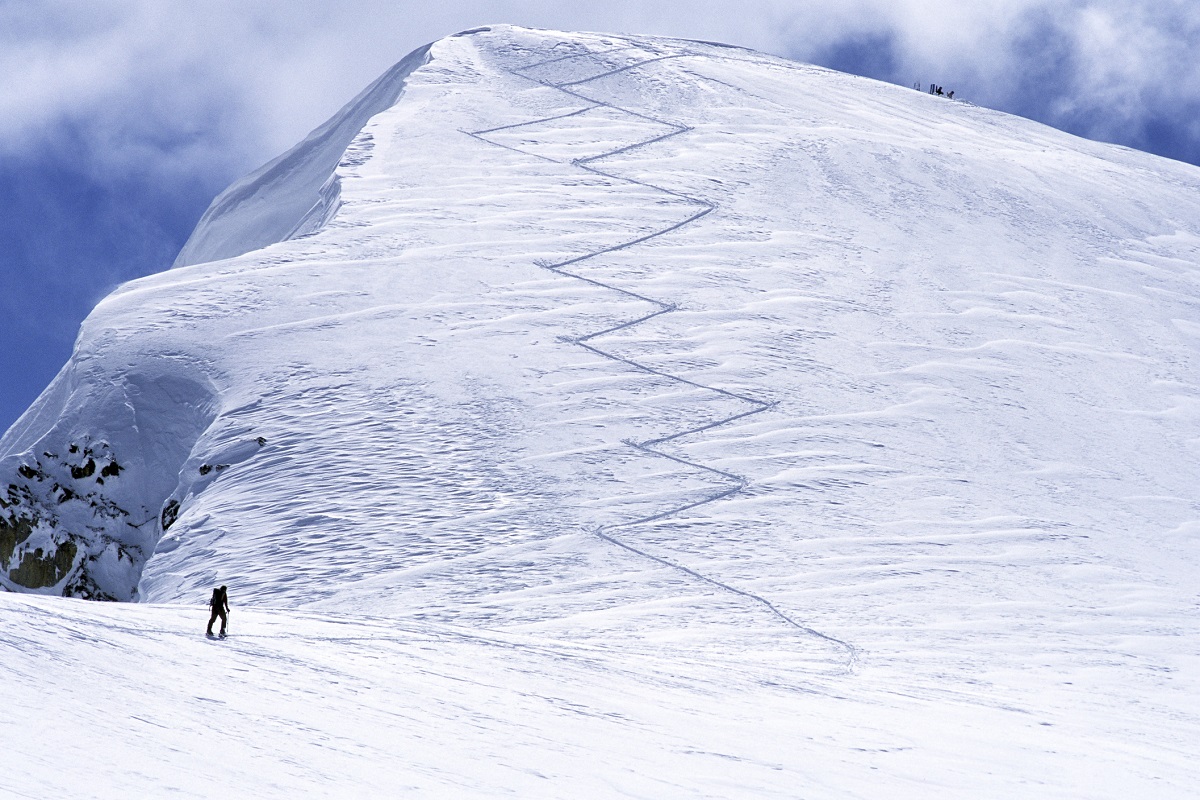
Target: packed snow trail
(649, 446)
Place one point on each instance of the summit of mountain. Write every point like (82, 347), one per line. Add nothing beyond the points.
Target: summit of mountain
(722, 371)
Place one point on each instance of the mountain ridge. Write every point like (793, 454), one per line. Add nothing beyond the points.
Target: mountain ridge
(650, 351)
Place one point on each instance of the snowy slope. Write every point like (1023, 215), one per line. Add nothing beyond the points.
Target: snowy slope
(804, 435)
(299, 704)
(296, 193)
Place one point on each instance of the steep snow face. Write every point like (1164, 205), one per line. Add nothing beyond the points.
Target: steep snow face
(680, 351)
(296, 193)
(87, 468)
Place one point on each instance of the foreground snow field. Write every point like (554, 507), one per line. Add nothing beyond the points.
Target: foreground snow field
(128, 701)
(630, 417)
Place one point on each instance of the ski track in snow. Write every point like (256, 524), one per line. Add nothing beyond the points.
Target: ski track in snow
(649, 447)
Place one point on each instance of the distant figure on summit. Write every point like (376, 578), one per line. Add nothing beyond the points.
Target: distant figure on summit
(220, 608)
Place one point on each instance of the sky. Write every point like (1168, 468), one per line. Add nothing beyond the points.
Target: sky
(120, 120)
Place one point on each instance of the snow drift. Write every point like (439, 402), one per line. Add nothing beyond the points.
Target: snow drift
(296, 193)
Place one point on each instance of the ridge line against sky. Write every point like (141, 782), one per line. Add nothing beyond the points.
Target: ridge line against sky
(121, 119)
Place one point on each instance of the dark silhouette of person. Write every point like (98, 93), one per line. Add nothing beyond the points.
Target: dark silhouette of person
(220, 608)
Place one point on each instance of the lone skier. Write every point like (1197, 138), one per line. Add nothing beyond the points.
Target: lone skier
(220, 608)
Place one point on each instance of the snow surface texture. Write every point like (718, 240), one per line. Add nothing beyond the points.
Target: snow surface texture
(652, 418)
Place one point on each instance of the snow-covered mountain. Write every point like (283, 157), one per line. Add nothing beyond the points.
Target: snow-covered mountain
(579, 415)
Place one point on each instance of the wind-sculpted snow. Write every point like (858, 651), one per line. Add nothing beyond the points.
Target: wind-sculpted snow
(649, 418)
(298, 192)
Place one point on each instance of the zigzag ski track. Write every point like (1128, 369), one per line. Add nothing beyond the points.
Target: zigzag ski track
(704, 207)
